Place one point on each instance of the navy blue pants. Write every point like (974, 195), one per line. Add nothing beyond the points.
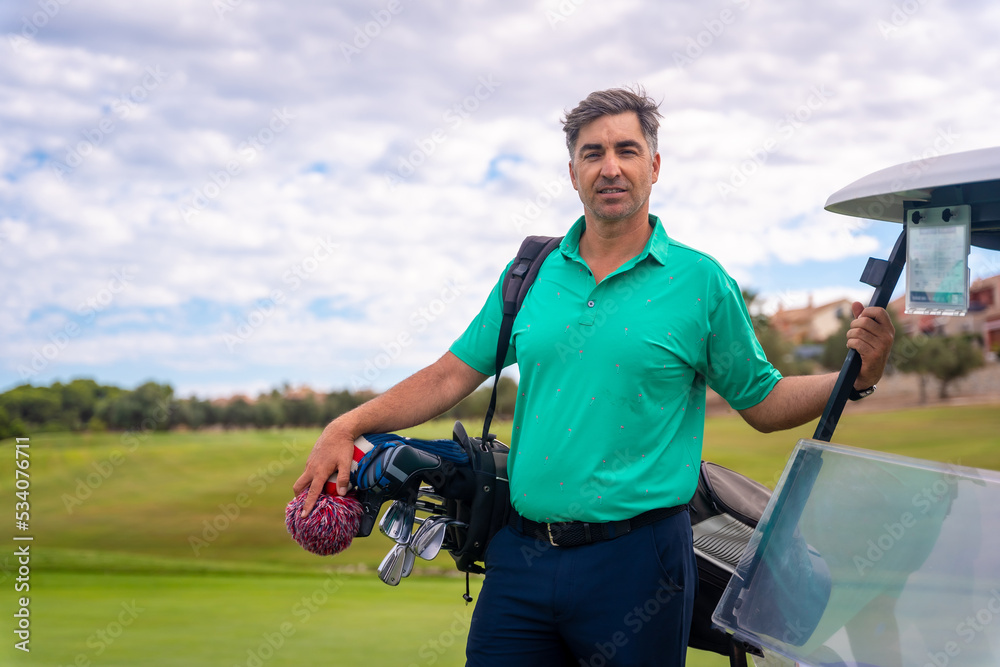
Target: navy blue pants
(625, 601)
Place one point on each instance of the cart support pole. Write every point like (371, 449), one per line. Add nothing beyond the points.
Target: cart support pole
(883, 276)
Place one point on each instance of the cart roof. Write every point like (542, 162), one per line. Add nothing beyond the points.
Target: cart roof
(971, 177)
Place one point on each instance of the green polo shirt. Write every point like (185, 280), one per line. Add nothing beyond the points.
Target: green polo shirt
(611, 402)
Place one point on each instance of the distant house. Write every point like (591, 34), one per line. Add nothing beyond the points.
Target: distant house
(983, 317)
(812, 323)
(304, 392)
(225, 401)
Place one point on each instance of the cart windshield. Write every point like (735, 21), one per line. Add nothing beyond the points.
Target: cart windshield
(865, 558)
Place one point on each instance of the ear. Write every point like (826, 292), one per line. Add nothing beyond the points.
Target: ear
(572, 177)
(656, 167)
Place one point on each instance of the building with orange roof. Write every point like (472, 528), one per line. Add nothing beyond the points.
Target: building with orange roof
(812, 323)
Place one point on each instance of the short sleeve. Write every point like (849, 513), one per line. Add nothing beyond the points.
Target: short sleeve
(737, 368)
(477, 346)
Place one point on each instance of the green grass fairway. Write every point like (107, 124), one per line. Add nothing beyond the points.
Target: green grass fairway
(154, 620)
(170, 549)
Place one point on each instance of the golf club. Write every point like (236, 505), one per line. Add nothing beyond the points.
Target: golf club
(430, 508)
(390, 570)
(397, 522)
(409, 558)
(427, 541)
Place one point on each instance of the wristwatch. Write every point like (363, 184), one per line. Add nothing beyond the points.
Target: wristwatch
(857, 395)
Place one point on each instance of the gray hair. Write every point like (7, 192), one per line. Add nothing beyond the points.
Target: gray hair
(611, 103)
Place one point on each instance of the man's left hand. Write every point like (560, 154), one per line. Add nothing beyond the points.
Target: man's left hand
(871, 334)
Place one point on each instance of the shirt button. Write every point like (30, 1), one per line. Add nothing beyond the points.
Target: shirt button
(590, 304)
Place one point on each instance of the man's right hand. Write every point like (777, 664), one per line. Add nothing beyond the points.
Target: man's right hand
(332, 454)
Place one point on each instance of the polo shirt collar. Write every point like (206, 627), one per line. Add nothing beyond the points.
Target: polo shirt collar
(656, 246)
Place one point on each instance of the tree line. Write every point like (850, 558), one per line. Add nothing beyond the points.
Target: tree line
(85, 405)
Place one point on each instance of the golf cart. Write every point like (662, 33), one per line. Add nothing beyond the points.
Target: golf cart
(866, 558)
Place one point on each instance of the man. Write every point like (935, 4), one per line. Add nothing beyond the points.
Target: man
(615, 343)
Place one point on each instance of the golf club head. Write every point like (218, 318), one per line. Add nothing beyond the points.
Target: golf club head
(390, 570)
(427, 541)
(409, 558)
(397, 522)
(424, 525)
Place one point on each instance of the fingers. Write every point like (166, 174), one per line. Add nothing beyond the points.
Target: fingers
(343, 479)
(314, 490)
(302, 482)
(331, 455)
(871, 325)
(871, 318)
(315, 477)
(866, 347)
(871, 334)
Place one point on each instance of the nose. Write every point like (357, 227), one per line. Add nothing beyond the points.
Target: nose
(610, 167)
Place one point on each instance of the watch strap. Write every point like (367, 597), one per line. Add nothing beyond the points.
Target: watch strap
(857, 395)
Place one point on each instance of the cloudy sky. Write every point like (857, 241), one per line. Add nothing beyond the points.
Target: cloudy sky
(228, 195)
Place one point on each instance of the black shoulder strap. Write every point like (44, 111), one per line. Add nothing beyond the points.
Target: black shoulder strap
(533, 251)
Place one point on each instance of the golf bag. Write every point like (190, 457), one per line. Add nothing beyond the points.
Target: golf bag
(724, 510)
(489, 508)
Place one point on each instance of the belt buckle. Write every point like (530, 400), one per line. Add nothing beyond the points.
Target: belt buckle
(552, 539)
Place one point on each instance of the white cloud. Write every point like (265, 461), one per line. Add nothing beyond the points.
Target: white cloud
(491, 169)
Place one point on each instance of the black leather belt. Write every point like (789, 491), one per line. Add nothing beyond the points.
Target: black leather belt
(576, 533)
